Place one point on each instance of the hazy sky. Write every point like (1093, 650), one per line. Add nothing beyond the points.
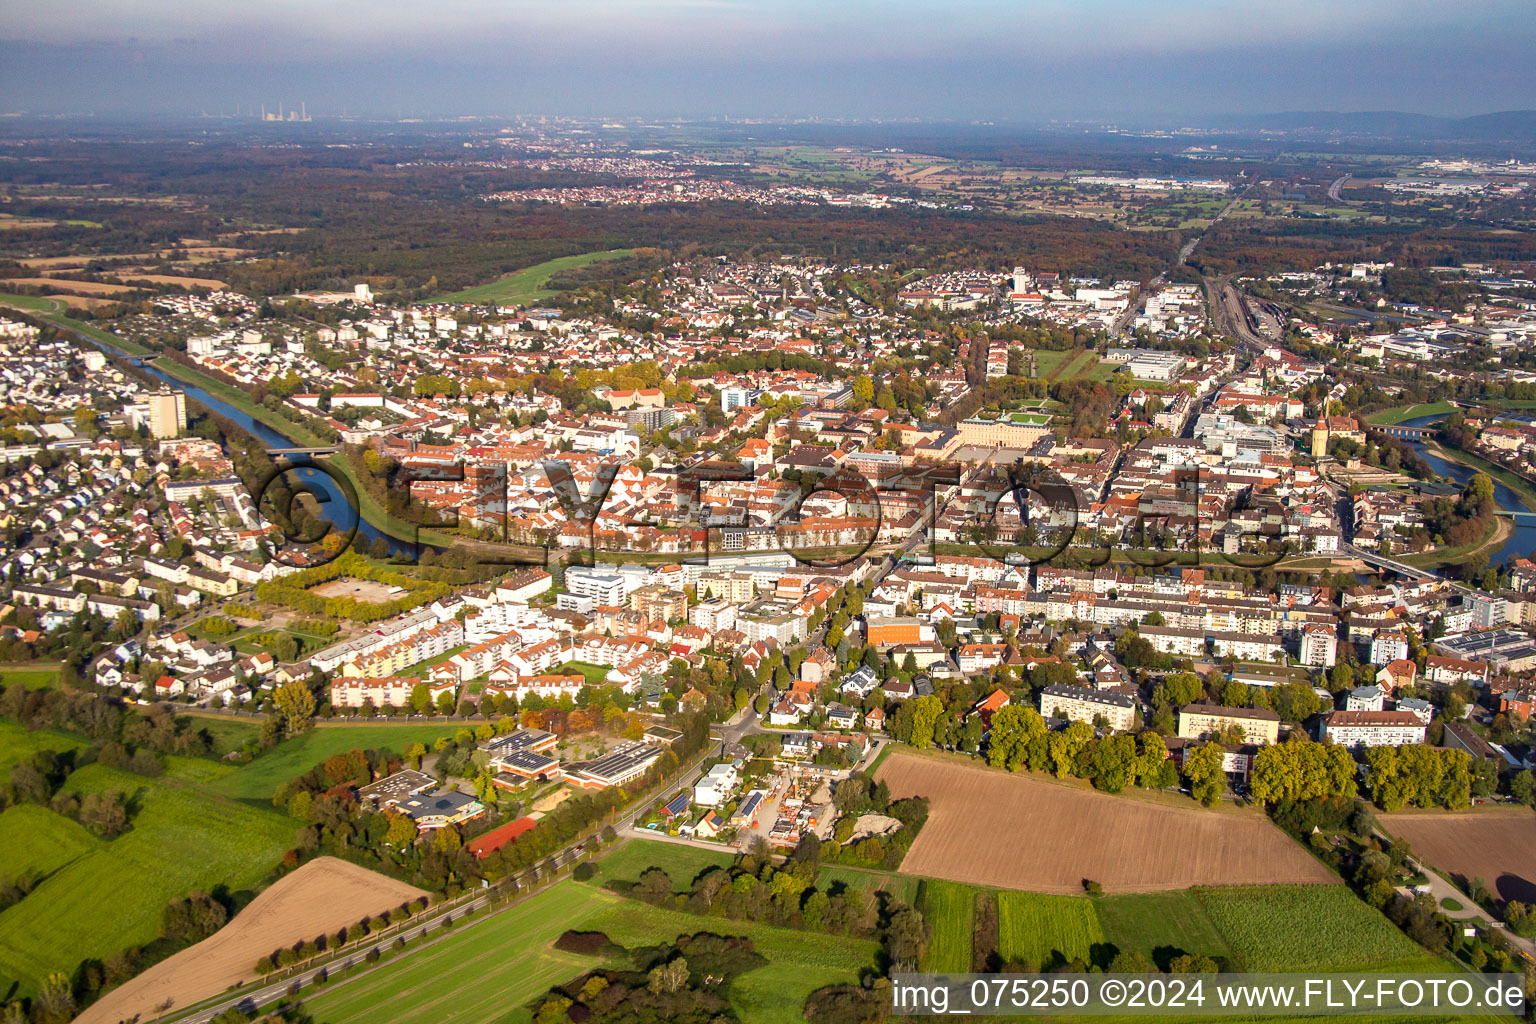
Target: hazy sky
(1027, 60)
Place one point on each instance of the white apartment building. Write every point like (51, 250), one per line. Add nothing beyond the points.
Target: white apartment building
(1319, 646)
(1187, 643)
(1388, 645)
(1080, 704)
(600, 586)
(1372, 728)
(714, 615)
(1246, 646)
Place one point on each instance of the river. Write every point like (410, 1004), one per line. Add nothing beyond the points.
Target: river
(331, 500)
(1523, 540)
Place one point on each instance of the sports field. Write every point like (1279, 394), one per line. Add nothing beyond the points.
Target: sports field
(487, 973)
(527, 285)
(101, 897)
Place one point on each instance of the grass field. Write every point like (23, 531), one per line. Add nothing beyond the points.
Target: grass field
(36, 842)
(950, 909)
(681, 863)
(257, 780)
(799, 962)
(1390, 417)
(899, 887)
(596, 674)
(1081, 363)
(108, 895)
(34, 675)
(1150, 922)
(1047, 362)
(482, 974)
(54, 309)
(527, 285)
(684, 863)
(485, 974)
(17, 744)
(1308, 928)
(1034, 928)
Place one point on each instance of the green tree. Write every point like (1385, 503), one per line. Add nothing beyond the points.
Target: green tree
(421, 698)
(1203, 769)
(402, 831)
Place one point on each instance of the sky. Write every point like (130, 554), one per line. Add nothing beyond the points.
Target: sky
(1025, 60)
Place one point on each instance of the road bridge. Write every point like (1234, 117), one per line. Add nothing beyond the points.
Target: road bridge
(1400, 431)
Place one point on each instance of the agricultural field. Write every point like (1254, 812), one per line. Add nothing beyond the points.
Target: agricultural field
(257, 780)
(1247, 928)
(108, 895)
(950, 910)
(1044, 836)
(1496, 844)
(463, 973)
(320, 897)
(1308, 928)
(1038, 929)
(527, 285)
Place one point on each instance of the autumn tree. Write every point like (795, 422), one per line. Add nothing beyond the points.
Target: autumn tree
(295, 705)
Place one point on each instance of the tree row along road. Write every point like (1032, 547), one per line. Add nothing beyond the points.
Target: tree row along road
(254, 998)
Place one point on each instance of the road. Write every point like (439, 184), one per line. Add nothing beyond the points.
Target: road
(1122, 322)
(1443, 890)
(254, 998)
(1333, 190)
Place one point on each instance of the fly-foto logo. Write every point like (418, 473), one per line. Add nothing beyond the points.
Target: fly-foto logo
(1022, 515)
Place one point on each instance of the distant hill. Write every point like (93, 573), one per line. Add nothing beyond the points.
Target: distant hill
(1510, 126)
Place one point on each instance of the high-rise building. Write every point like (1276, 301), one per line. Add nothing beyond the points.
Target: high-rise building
(167, 413)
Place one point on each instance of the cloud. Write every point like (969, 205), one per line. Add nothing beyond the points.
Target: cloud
(1029, 60)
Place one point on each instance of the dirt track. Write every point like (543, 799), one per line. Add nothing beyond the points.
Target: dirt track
(321, 897)
(990, 828)
(1496, 844)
